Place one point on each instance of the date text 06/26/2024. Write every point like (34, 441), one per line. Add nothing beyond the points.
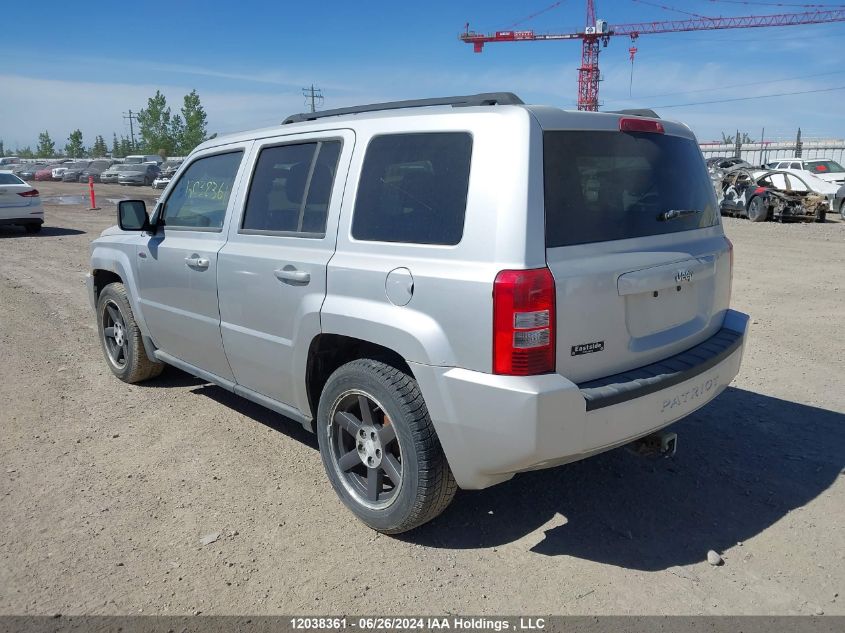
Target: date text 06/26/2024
(418, 623)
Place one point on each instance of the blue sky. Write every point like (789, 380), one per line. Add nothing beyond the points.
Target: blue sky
(83, 65)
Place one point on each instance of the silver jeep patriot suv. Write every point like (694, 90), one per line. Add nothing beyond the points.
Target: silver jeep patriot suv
(447, 291)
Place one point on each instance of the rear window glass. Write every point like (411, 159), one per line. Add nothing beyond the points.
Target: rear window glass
(602, 186)
(413, 188)
(10, 179)
(825, 167)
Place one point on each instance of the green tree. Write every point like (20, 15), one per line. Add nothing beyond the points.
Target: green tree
(26, 152)
(2, 149)
(115, 147)
(74, 147)
(154, 125)
(177, 132)
(125, 147)
(46, 147)
(99, 149)
(195, 124)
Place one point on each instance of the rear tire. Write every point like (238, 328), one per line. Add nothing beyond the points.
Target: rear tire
(757, 211)
(32, 228)
(120, 337)
(842, 209)
(379, 447)
(821, 216)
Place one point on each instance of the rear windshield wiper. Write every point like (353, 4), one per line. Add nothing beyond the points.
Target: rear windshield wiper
(672, 214)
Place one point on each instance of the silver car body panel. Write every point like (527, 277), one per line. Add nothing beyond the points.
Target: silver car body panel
(240, 326)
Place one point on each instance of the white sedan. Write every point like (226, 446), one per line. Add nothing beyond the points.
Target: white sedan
(20, 203)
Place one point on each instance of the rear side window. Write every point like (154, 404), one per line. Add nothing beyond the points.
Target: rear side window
(413, 188)
(602, 186)
(291, 188)
(201, 195)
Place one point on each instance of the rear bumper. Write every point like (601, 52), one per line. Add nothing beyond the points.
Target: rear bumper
(492, 427)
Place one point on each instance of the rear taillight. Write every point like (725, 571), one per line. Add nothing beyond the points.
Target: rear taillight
(524, 322)
(32, 193)
(731, 272)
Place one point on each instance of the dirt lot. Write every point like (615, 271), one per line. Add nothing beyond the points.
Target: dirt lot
(107, 489)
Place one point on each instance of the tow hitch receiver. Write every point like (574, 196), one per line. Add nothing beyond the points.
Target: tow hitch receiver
(661, 443)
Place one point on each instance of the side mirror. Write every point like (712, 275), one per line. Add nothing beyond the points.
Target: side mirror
(132, 215)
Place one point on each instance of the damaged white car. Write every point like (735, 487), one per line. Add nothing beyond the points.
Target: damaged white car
(780, 195)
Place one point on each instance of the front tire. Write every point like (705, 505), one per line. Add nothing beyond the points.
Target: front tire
(32, 228)
(757, 211)
(379, 447)
(842, 209)
(120, 337)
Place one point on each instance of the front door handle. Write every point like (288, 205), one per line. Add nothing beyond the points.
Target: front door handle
(292, 274)
(196, 262)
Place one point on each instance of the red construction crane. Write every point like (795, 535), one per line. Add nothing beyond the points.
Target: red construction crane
(599, 32)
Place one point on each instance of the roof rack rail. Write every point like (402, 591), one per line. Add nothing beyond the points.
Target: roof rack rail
(482, 99)
(637, 112)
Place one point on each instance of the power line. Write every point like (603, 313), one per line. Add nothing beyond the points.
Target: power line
(313, 96)
(667, 8)
(731, 86)
(132, 117)
(780, 4)
(536, 13)
(781, 94)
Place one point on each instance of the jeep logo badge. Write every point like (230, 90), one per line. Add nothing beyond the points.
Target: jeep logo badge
(683, 275)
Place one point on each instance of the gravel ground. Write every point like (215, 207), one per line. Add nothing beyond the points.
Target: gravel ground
(110, 492)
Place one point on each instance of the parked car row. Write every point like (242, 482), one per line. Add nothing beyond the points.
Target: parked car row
(140, 169)
(784, 189)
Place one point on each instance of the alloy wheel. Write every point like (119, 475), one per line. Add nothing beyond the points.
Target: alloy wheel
(365, 450)
(114, 334)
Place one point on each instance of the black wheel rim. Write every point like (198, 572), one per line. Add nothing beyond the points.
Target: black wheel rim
(364, 449)
(115, 337)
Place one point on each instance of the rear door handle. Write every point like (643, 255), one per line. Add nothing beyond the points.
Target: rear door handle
(292, 274)
(196, 262)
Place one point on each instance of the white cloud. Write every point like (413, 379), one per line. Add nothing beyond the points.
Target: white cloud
(257, 97)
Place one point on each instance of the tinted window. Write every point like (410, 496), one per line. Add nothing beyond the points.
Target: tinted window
(201, 195)
(10, 179)
(602, 186)
(795, 166)
(825, 167)
(413, 188)
(291, 188)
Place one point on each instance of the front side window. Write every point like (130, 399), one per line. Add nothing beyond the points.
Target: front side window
(413, 188)
(201, 195)
(290, 189)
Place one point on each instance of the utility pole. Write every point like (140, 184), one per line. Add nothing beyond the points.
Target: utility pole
(313, 96)
(132, 118)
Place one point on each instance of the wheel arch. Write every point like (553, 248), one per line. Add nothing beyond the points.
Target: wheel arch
(109, 265)
(328, 352)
